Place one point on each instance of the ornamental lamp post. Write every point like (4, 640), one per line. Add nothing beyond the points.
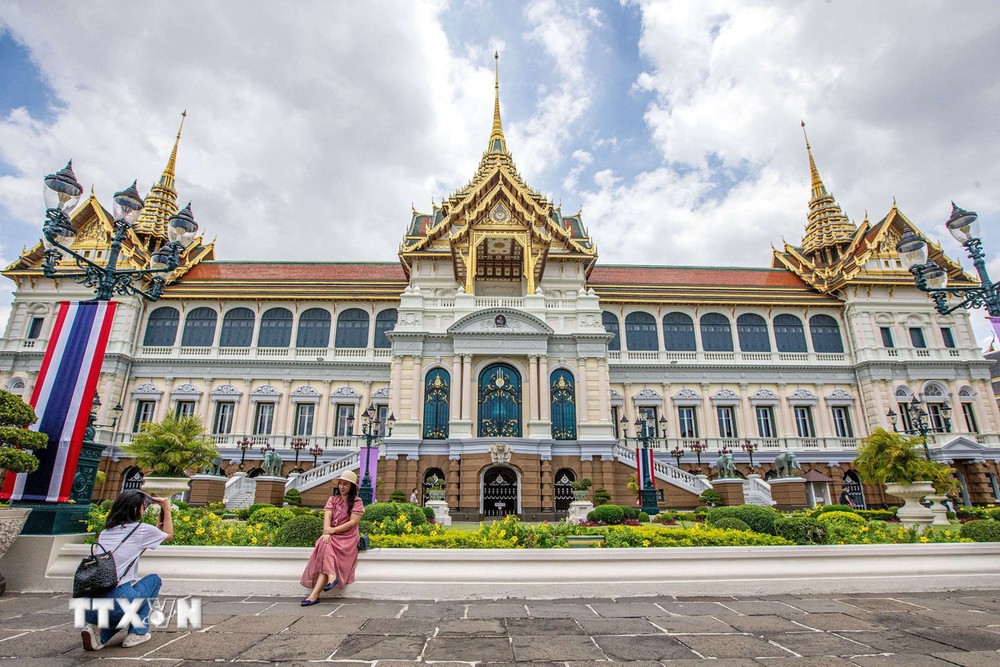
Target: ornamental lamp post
(316, 451)
(931, 278)
(298, 444)
(645, 434)
(678, 454)
(697, 448)
(244, 445)
(370, 432)
(917, 422)
(749, 448)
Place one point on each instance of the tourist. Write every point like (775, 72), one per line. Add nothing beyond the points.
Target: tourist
(845, 498)
(335, 556)
(126, 535)
(413, 496)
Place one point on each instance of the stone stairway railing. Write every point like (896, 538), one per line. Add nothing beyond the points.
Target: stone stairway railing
(324, 473)
(240, 492)
(667, 473)
(757, 492)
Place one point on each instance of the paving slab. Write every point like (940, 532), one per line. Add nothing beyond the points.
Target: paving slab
(324, 625)
(561, 611)
(806, 661)
(900, 661)
(496, 610)
(283, 648)
(649, 647)
(972, 658)
(542, 626)
(621, 626)
(760, 624)
(758, 607)
(695, 608)
(820, 605)
(818, 643)
(470, 649)
(263, 625)
(839, 623)
(372, 647)
(472, 627)
(691, 624)
(532, 649)
(198, 646)
(880, 604)
(965, 638)
(732, 646)
(897, 641)
(434, 610)
(412, 627)
(629, 610)
(41, 644)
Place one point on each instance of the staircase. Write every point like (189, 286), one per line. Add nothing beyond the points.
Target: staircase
(757, 492)
(666, 473)
(324, 473)
(240, 492)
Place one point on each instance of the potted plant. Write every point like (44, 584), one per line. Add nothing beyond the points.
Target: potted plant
(894, 460)
(581, 489)
(167, 450)
(16, 445)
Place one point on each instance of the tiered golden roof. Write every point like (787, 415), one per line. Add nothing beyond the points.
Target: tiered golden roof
(161, 202)
(828, 230)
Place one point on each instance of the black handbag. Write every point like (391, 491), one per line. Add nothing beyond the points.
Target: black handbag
(97, 573)
(364, 544)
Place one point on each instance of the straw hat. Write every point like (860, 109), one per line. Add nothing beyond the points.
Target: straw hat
(349, 476)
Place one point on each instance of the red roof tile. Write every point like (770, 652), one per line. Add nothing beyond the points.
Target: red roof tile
(692, 275)
(254, 271)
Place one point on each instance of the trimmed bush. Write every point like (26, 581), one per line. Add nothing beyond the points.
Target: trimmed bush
(801, 530)
(397, 496)
(841, 517)
(981, 530)
(630, 512)
(759, 519)
(609, 515)
(272, 517)
(643, 517)
(601, 496)
(832, 508)
(293, 497)
(378, 512)
(730, 523)
(300, 531)
(428, 514)
(711, 497)
(365, 527)
(994, 513)
(245, 513)
(877, 515)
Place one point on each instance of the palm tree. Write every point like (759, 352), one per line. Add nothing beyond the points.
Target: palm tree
(170, 447)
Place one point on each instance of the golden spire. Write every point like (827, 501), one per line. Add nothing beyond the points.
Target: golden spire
(828, 227)
(498, 144)
(161, 202)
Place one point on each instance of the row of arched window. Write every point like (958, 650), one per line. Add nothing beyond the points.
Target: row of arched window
(716, 333)
(274, 329)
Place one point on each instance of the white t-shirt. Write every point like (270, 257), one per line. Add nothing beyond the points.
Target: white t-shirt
(146, 537)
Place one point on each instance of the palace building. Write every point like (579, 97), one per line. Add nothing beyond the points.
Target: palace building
(515, 362)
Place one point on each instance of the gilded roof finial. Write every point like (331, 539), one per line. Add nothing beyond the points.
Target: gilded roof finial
(827, 227)
(161, 202)
(818, 189)
(498, 144)
(168, 173)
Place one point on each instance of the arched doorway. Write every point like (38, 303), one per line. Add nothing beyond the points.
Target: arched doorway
(499, 492)
(854, 489)
(255, 472)
(433, 481)
(132, 479)
(564, 489)
(499, 402)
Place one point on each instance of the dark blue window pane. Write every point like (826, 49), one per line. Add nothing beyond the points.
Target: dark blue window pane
(825, 334)
(640, 332)
(199, 328)
(237, 328)
(789, 334)
(610, 323)
(385, 321)
(716, 333)
(678, 333)
(752, 330)
(499, 402)
(563, 399)
(437, 391)
(314, 328)
(275, 328)
(352, 328)
(161, 329)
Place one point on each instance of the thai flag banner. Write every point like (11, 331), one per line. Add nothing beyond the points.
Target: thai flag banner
(369, 464)
(644, 466)
(62, 398)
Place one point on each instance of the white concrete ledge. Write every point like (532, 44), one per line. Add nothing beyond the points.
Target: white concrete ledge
(47, 565)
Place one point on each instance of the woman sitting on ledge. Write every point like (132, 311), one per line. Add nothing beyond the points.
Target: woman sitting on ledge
(335, 556)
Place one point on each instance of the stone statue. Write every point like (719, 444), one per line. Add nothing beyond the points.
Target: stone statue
(784, 465)
(217, 467)
(272, 463)
(726, 469)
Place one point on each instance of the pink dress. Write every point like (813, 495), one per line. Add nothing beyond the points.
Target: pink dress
(338, 557)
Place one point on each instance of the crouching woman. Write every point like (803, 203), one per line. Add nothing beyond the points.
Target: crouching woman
(335, 556)
(127, 536)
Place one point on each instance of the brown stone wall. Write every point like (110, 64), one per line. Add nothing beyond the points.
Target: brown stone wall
(788, 494)
(205, 489)
(270, 490)
(731, 490)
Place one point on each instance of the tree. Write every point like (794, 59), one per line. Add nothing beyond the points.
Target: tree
(893, 458)
(16, 441)
(170, 447)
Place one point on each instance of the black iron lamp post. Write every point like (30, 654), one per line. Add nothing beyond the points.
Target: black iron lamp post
(244, 445)
(919, 422)
(62, 191)
(645, 434)
(116, 412)
(697, 448)
(931, 278)
(316, 451)
(298, 444)
(678, 454)
(370, 432)
(749, 448)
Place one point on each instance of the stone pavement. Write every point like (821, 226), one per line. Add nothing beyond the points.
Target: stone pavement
(868, 630)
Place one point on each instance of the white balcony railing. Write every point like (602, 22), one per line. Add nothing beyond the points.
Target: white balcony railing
(311, 353)
(762, 358)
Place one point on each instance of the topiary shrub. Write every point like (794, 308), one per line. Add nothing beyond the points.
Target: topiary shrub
(730, 523)
(365, 527)
(994, 513)
(666, 516)
(643, 517)
(841, 517)
(981, 530)
(609, 515)
(877, 515)
(245, 513)
(293, 497)
(711, 498)
(832, 508)
(801, 530)
(378, 512)
(759, 519)
(630, 512)
(428, 514)
(300, 531)
(397, 496)
(601, 496)
(270, 516)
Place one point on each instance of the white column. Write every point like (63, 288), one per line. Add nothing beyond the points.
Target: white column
(416, 386)
(545, 414)
(467, 389)
(534, 388)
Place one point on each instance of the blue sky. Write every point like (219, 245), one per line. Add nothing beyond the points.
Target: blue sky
(673, 125)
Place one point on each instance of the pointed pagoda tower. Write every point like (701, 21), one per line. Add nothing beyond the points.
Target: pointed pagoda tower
(828, 232)
(161, 202)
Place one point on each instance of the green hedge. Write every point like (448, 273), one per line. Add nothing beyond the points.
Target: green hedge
(801, 530)
(609, 515)
(759, 519)
(270, 516)
(301, 531)
(378, 512)
(832, 508)
(981, 530)
(730, 523)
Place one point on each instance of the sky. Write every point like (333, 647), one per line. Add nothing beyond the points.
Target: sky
(313, 128)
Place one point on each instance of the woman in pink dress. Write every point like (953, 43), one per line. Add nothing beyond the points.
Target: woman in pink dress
(335, 555)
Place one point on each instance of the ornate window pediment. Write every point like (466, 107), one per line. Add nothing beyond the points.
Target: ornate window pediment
(801, 397)
(186, 389)
(496, 321)
(147, 390)
(305, 394)
(224, 391)
(725, 397)
(764, 397)
(840, 397)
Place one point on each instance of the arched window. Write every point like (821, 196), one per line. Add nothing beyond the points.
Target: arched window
(854, 488)
(640, 332)
(199, 328)
(610, 322)
(499, 402)
(385, 321)
(237, 328)
(716, 333)
(352, 328)
(437, 391)
(752, 331)
(563, 399)
(678, 333)
(825, 334)
(789, 335)
(314, 328)
(161, 327)
(275, 328)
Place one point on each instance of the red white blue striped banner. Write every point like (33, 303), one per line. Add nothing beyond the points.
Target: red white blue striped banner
(644, 466)
(62, 398)
(369, 463)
